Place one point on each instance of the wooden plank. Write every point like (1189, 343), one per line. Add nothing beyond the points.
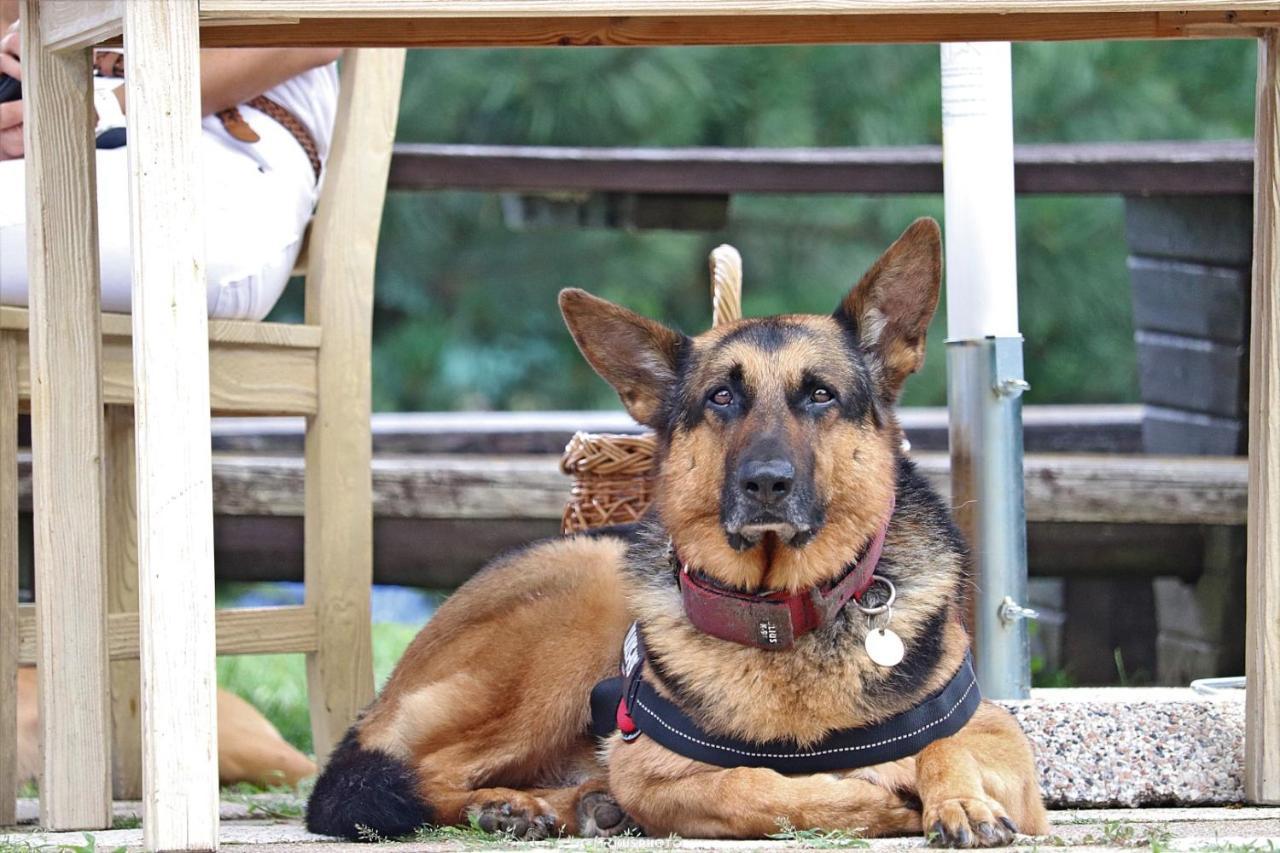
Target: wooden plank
(266, 372)
(8, 577)
(339, 299)
(250, 9)
(1262, 621)
(649, 29)
(1190, 298)
(122, 597)
(1191, 374)
(66, 425)
(1046, 428)
(1175, 431)
(1059, 487)
(1205, 230)
(244, 631)
(439, 554)
(290, 335)
(13, 318)
(246, 380)
(273, 335)
(1165, 168)
(171, 381)
(243, 380)
(68, 24)
(1076, 488)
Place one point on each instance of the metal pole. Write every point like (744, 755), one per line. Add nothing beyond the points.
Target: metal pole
(984, 355)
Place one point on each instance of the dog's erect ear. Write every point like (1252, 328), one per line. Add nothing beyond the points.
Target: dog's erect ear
(632, 353)
(890, 308)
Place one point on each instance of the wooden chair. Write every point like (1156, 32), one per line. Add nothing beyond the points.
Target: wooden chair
(319, 369)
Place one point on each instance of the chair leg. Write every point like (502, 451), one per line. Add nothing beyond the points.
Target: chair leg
(339, 575)
(8, 578)
(339, 488)
(122, 597)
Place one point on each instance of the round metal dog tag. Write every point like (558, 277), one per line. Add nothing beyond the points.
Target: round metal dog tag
(884, 647)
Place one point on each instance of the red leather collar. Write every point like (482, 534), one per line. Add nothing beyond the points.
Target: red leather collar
(774, 620)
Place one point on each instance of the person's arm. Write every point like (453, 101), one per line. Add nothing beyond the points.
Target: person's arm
(228, 76)
(233, 75)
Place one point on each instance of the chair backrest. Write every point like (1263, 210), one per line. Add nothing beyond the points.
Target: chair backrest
(363, 134)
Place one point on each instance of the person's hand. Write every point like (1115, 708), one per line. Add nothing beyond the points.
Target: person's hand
(11, 114)
(11, 51)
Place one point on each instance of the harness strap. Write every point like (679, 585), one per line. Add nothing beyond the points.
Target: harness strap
(629, 698)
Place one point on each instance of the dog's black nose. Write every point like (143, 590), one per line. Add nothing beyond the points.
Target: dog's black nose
(767, 481)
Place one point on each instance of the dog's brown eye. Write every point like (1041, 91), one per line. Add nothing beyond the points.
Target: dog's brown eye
(722, 396)
(821, 395)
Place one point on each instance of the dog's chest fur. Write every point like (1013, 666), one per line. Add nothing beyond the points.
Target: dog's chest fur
(825, 681)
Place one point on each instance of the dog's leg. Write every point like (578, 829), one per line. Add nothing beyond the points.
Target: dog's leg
(979, 787)
(667, 794)
(586, 810)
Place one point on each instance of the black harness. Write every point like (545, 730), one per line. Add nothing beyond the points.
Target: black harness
(629, 704)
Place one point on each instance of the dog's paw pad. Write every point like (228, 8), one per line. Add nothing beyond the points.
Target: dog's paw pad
(968, 822)
(521, 824)
(600, 816)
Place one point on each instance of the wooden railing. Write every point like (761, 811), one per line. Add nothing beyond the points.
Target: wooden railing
(1140, 168)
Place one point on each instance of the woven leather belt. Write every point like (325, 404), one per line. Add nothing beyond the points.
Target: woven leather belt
(240, 129)
(110, 63)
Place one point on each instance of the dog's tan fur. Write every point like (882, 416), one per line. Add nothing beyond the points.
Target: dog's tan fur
(488, 708)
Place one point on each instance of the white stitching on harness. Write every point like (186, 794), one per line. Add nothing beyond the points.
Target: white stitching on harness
(752, 754)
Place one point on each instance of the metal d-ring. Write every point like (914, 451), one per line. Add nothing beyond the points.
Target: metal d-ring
(879, 608)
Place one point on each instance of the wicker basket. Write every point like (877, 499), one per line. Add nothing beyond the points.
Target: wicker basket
(613, 474)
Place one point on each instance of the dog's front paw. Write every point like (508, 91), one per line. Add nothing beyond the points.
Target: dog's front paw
(600, 816)
(968, 822)
(521, 822)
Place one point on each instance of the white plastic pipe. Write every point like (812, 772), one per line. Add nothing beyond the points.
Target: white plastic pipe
(977, 153)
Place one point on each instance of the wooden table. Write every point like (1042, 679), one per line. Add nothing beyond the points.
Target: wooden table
(170, 362)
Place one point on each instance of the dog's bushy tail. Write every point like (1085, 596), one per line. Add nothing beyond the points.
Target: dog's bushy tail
(365, 795)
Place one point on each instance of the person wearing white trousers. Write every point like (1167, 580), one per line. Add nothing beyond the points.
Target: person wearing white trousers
(258, 195)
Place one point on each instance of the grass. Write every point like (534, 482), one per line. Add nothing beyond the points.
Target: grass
(90, 846)
(1117, 833)
(468, 836)
(277, 802)
(818, 838)
(277, 684)
(471, 834)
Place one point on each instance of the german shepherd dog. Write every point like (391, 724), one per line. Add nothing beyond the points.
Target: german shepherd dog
(779, 457)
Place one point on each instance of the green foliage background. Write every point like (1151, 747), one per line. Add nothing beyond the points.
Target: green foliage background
(466, 312)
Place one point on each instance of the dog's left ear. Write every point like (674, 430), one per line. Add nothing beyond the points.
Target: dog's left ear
(890, 308)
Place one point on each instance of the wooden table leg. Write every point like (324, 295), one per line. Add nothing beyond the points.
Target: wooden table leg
(1262, 623)
(122, 597)
(8, 577)
(66, 433)
(174, 468)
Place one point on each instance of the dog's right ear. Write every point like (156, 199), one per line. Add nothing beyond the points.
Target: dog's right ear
(632, 353)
